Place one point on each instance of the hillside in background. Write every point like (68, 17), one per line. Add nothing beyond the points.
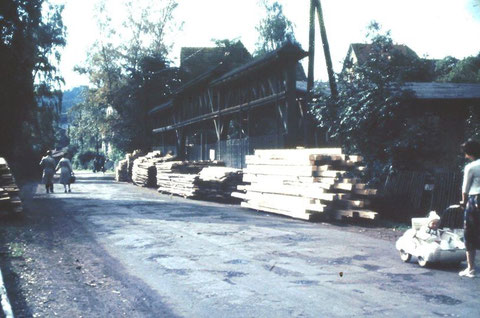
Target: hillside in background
(73, 97)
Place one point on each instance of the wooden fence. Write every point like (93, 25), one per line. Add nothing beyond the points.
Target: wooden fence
(233, 151)
(419, 192)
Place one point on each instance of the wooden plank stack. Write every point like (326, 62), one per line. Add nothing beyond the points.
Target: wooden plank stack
(181, 177)
(9, 192)
(144, 171)
(130, 157)
(121, 172)
(305, 183)
(218, 183)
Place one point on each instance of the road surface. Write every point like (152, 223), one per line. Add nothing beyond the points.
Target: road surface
(113, 249)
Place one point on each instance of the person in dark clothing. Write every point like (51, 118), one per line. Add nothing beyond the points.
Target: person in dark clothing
(48, 165)
(101, 164)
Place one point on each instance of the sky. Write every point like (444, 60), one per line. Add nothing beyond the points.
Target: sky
(432, 28)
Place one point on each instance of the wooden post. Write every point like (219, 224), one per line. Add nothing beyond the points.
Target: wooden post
(326, 50)
(311, 48)
(180, 143)
(292, 137)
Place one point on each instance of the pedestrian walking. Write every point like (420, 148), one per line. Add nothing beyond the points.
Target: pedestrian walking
(471, 199)
(66, 172)
(48, 165)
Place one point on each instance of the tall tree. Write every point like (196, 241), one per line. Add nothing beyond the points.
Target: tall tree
(31, 32)
(274, 29)
(130, 73)
(367, 115)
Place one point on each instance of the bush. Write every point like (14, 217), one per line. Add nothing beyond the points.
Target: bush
(83, 160)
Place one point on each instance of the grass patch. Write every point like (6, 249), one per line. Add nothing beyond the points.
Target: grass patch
(16, 250)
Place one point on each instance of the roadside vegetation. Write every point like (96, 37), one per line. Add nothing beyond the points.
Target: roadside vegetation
(32, 35)
(371, 118)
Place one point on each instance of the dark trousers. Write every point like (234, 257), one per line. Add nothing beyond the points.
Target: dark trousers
(472, 223)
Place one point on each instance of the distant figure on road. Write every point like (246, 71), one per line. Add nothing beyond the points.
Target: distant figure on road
(471, 198)
(66, 172)
(48, 165)
(102, 163)
(99, 164)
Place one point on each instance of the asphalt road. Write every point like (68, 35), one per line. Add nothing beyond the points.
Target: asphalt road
(169, 256)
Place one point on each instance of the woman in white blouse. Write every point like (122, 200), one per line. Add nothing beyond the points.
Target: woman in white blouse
(471, 197)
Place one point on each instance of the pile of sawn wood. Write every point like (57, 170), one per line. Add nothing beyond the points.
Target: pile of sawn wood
(144, 171)
(206, 180)
(124, 170)
(305, 183)
(9, 199)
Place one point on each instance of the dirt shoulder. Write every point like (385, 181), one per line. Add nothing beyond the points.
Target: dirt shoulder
(53, 267)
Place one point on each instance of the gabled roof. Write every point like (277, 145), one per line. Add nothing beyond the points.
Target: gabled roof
(213, 75)
(195, 61)
(360, 52)
(287, 51)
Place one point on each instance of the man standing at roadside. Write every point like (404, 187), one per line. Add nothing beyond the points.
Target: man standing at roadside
(48, 165)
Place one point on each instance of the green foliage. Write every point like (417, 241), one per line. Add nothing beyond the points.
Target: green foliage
(115, 156)
(130, 75)
(83, 159)
(473, 122)
(274, 30)
(74, 96)
(367, 117)
(459, 71)
(31, 34)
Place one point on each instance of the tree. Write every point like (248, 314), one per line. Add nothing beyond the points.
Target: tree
(274, 29)
(453, 70)
(31, 32)
(130, 74)
(367, 116)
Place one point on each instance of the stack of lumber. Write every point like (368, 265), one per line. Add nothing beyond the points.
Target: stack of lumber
(144, 171)
(305, 183)
(218, 183)
(9, 199)
(121, 172)
(181, 177)
(130, 157)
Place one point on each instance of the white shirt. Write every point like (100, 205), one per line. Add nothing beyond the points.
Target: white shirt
(471, 178)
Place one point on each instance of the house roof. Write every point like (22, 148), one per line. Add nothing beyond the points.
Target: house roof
(362, 51)
(432, 90)
(195, 61)
(216, 70)
(288, 50)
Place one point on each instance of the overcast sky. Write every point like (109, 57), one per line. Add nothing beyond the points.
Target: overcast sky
(435, 28)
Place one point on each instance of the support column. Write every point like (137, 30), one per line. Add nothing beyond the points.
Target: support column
(180, 143)
(293, 136)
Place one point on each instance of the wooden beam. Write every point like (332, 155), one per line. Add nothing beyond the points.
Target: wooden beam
(311, 47)
(230, 110)
(292, 138)
(326, 50)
